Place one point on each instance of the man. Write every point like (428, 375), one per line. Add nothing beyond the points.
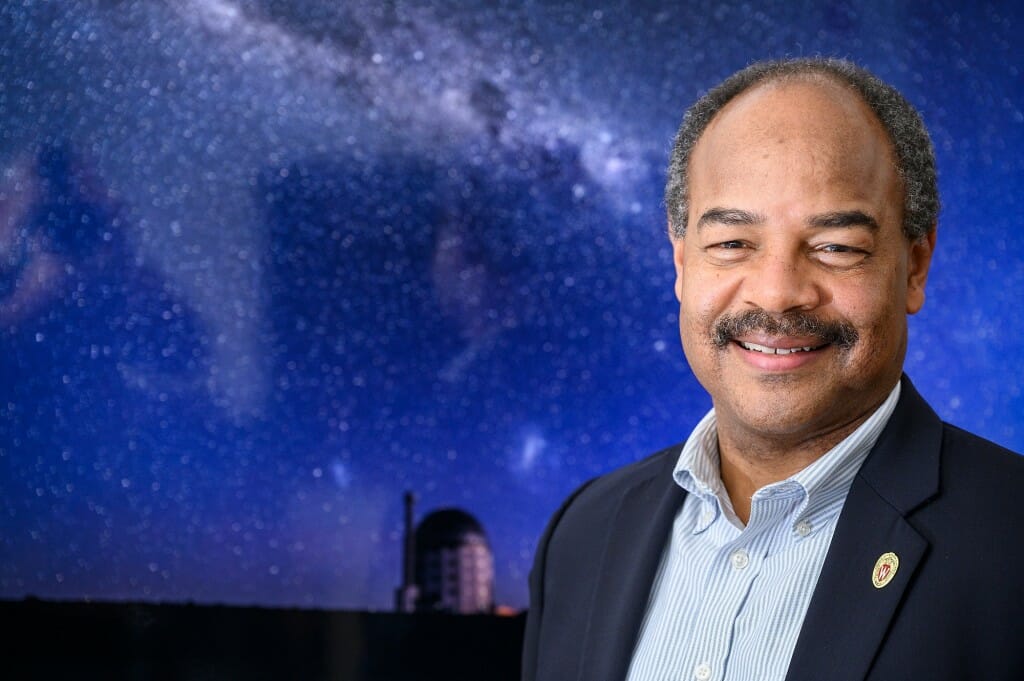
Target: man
(820, 522)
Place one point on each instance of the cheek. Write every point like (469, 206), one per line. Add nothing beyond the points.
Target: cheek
(706, 294)
(870, 304)
(695, 331)
(879, 319)
(693, 315)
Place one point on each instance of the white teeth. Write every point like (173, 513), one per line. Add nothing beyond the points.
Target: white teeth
(772, 351)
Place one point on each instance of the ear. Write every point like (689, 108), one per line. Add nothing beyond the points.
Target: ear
(678, 249)
(918, 262)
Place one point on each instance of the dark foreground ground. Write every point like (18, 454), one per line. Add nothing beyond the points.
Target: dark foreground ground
(55, 640)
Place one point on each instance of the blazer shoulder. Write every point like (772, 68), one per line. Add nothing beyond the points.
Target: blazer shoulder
(592, 503)
(958, 439)
(598, 492)
(572, 544)
(970, 458)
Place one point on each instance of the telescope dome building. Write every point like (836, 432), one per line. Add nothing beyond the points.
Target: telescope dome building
(447, 563)
(454, 564)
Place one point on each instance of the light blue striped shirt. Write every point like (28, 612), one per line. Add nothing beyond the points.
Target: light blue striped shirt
(728, 601)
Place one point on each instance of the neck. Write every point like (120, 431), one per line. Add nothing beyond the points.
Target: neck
(750, 461)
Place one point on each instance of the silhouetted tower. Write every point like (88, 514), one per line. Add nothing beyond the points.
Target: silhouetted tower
(408, 593)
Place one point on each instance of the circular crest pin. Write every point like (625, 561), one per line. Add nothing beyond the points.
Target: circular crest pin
(885, 569)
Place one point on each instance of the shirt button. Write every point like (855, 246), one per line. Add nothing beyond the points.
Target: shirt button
(803, 528)
(740, 559)
(702, 672)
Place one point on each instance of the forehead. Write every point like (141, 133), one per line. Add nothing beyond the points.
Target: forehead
(809, 131)
(811, 103)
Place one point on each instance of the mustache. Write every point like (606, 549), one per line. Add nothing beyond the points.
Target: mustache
(729, 327)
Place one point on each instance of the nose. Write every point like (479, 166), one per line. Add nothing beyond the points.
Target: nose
(781, 283)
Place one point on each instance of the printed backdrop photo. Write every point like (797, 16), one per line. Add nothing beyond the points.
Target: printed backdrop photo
(267, 266)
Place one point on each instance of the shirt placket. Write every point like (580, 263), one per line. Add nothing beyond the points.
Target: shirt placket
(733, 575)
(732, 571)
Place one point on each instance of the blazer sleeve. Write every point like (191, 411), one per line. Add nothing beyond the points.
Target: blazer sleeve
(535, 614)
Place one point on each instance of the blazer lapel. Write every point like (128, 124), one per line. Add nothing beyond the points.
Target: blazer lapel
(637, 535)
(848, 615)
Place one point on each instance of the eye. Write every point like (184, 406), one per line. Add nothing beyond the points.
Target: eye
(730, 245)
(731, 250)
(842, 255)
(735, 243)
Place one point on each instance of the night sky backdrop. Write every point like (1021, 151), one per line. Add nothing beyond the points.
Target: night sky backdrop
(264, 266)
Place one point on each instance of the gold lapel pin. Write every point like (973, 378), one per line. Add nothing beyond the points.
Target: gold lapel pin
(885, 569)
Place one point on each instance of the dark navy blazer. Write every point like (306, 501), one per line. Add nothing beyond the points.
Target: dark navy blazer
(949, 504)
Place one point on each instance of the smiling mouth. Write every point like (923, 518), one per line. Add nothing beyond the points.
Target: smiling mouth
(777, 351)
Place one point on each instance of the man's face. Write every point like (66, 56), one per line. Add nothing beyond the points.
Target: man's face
(794, 278)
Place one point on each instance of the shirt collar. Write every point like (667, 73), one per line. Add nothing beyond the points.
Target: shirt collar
(823, 484)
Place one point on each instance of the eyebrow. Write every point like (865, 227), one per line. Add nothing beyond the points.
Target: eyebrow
(729, 216)
(736, 216)
(844, 218)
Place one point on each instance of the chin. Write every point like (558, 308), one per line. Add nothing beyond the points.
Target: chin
(779, 419)
(775, 404)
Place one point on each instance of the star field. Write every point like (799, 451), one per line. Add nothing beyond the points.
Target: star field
(265, 266)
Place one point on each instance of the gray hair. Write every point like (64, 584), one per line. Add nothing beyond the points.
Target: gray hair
(915, 157)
